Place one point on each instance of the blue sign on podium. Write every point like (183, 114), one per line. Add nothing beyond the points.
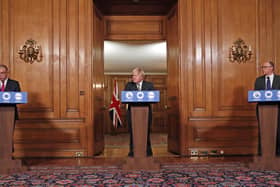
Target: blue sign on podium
(13, 97)
(264, 95)
(140, 96)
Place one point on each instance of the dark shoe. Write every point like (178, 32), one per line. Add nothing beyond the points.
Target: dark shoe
(130, 154)
(149, 153)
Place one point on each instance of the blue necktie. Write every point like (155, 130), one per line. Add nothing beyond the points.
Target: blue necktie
(268, 84)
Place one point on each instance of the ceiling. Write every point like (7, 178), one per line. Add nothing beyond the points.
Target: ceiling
(135, 7)
(120, 57)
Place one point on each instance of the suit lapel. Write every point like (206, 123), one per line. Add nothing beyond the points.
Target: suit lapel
(276, 79)
(8, 86)
(134, 86)
(262, 83)
(143, 86)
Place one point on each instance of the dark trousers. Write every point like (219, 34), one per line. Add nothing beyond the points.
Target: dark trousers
(149, 146)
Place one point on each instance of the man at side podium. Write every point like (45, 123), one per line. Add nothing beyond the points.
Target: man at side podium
(269, 80)
(8, 85)
(138, 83)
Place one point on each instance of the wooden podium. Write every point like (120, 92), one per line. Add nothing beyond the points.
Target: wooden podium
(268, 122)
(7, 122)
(7, 118)
(139, 120)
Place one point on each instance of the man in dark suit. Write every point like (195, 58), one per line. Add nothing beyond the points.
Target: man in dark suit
(138, 83)
(269, 80)
(8, 85)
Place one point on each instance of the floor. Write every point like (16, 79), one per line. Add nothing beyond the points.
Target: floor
(116, 149)
(118, 145)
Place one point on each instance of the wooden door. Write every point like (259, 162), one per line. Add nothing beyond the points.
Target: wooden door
(98, 84)
(172, 83)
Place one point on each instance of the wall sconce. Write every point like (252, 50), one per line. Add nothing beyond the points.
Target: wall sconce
(30, 52)
(240, 52)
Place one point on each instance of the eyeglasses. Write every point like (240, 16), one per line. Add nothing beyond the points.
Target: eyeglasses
(266, 67)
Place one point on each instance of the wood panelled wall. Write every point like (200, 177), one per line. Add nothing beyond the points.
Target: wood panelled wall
(65, 90)
(214, 102)
(135, 27)
(57, 119)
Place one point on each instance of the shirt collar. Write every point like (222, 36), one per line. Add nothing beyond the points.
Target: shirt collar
(270, 76)
(140, 83)
(5, 82)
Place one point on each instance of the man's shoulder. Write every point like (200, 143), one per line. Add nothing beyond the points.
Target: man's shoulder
(12, 81)
(147, 85)
(260, 77)
(147, 82)
(129, 83)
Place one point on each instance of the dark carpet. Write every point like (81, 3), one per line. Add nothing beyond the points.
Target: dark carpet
(218, 174)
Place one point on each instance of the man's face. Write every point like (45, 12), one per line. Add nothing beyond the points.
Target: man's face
(136, 77)
(267, 68)
(3, 73)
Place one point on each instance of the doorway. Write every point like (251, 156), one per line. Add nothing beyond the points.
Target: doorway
(128, 30)
(120, 57)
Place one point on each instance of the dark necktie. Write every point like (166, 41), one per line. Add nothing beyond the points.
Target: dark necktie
(268, 83)
(3, 86)
(138, 86)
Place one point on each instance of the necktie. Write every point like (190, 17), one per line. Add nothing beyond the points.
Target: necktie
(138, 86)
(268, 84)
(3, 86)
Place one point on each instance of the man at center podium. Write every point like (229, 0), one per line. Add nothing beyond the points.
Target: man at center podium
(138, 83)
(270, 81)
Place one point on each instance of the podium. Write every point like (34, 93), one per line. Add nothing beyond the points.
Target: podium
(7, 122)
(139, 120)
(268, 104)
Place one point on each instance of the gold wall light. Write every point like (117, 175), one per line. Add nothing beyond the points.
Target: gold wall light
(30, 52)
(240, 52)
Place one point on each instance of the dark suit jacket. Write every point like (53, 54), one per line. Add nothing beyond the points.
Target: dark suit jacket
(260, 83)
(12, 86)
(145, 86)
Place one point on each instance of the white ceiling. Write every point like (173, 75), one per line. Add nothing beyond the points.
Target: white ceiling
(120, 57)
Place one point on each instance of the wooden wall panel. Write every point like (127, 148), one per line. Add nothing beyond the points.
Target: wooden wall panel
(38, 79)
(231, 80)
(56, 118)
(71, 77)
(134, 28)
(276, 33)
(39, 138)
(200, 78)
(214, 90)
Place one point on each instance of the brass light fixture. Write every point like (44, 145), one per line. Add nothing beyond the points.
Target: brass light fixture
(30, 52)
(240, 52)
